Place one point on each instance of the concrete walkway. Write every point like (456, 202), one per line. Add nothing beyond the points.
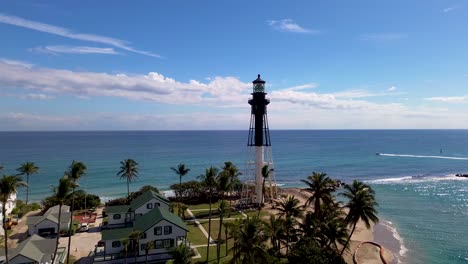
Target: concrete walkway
(194, 219)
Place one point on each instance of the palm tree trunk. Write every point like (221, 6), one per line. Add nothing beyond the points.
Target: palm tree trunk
(218, 253)
(5, 235)
(226, 239)
(180, 179)
(58, 233)
(263, 197)
(27, 188)
(349, 238)
(209, 231)
(135, 246)
(71, 225)
(317, 207)
(128, 189)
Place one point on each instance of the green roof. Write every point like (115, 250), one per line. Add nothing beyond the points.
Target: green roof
(117, 209)
(36, 248)
(154, 216)
(116, 234)
(145, 197)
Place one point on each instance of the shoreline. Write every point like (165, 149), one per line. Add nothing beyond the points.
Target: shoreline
(367, 253)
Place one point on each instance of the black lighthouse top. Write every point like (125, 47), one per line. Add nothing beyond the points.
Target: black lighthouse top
(258, 85)
(259, 134)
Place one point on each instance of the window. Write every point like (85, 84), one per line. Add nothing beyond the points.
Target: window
(158, 244)
(168, 243)
(167, 230)
(116, 244)
(157, 204)
(158, 230)
(142, 246)
(117, 216)
(149, 206)
(144, 235)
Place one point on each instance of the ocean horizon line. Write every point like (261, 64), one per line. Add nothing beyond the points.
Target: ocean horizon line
(238, 130)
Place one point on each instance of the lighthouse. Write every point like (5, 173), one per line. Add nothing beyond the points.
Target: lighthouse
(259, 148)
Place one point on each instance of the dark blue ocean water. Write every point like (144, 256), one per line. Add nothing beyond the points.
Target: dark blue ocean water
(430, 212)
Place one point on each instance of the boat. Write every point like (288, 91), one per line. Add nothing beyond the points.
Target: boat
(377, 154)
(462, 175)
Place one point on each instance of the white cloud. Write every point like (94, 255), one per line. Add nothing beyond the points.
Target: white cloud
(382, 37)
(67, 33)
(74, 50)
(450, 9)
(150, 87)
(302, 87)
(449, 99)
(288, 25)
(16, 62)
(391, 89)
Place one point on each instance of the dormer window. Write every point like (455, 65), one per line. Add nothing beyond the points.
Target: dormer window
(157, 204)
(149, 206)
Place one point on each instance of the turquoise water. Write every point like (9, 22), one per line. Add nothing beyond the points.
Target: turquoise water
(429, 212)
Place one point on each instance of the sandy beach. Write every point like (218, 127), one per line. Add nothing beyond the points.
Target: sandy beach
(367, 253)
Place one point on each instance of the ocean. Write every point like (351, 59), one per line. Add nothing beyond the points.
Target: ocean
(421, 203)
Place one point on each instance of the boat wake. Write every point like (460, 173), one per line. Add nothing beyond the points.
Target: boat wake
(417, 179)
(422, 156)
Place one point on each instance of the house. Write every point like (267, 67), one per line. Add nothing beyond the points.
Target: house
(122, 215)
(149, 214)
(47, 223)
(36, 249)
(9, 207)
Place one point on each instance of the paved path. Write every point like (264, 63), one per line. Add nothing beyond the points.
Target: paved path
(194, 219)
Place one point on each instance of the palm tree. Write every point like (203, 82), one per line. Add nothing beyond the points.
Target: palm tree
(61, 192)
(75, 171)
(321, 187)
(361, 205)
(266, 171)
(27, 168)
(222, 210)
(135, 237)
(275, 230)
(181, 171)
(251, 239)
(128, 171)
(125, 243)
(148, 246)
(232, 173)
(289, 207)
(209, 180)
(8, 186)
(227, 226)
(182, 254)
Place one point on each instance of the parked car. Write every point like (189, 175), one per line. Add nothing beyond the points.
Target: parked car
(84, 227)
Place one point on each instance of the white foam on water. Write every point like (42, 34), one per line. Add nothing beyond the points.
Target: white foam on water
(397, 236)
(418, 179)
(422, 156)
(168, 193)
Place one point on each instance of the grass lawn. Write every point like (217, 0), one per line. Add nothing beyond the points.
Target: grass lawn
(200, 206)
(215, 214)
(195, 235)
(263, 213)
(212, 257)
(214, 229)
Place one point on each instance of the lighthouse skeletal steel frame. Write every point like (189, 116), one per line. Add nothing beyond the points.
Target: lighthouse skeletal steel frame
(259, 148)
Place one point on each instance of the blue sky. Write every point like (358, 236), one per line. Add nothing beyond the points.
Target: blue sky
(170, 65)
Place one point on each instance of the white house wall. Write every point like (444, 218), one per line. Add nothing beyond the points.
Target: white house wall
(20, 259)
(154, 202)
(112, 221)
(34, 229)
(150, 236)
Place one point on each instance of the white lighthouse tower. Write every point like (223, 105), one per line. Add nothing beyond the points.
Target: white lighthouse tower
(259, 149)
